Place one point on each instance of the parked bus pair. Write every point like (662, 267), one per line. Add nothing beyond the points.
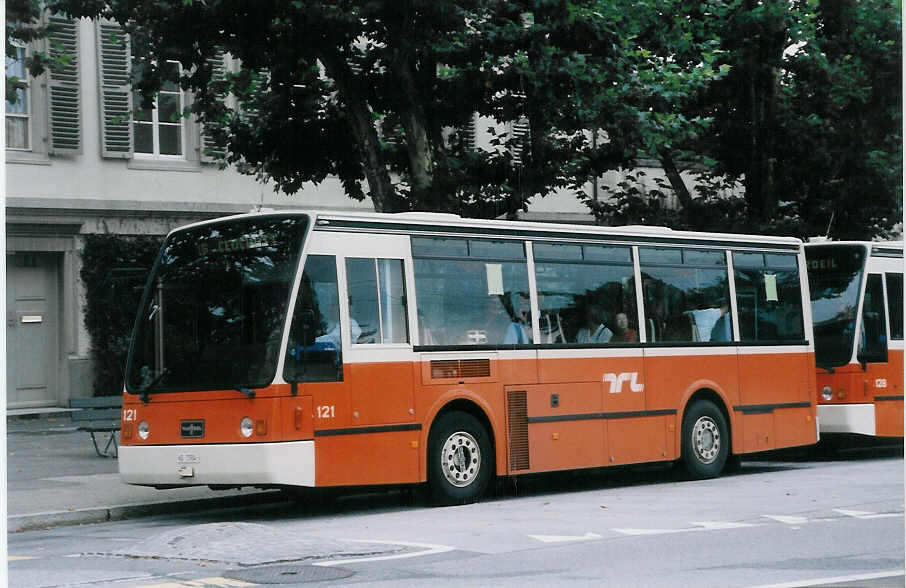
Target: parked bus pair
(344, 349)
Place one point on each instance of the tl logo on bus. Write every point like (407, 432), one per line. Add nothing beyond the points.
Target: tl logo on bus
(616, 382)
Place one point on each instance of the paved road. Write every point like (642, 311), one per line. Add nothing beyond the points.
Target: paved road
(793, 523)
(55, 477)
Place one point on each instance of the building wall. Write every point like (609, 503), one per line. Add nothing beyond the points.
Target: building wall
(53, 201)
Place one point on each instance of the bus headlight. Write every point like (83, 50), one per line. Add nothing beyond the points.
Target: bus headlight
(827, 393)
(144, 430)
(246, 427)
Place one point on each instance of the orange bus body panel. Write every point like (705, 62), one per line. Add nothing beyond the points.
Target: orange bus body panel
(879, 384)
(374, 427)
(889, 400)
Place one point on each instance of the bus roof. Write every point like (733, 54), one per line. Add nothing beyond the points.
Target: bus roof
(450, 224)
(433, 223)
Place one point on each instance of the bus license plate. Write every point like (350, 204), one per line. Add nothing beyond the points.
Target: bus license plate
(187, 459)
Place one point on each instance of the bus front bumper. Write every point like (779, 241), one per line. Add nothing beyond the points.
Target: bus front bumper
(290, 463)
(847, 418)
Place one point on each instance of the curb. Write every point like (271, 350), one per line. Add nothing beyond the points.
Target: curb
(103, 514)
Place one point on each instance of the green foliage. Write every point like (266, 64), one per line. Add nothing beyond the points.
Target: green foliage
(377, 92)
(24, 26)
(797, 104)
(114, 272)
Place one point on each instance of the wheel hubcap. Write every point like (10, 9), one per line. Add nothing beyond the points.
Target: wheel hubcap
(706, 439)
(461, 459)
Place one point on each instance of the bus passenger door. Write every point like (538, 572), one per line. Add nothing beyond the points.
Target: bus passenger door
(630, 435)
(873, 355)
(380, 361)
(314, 353)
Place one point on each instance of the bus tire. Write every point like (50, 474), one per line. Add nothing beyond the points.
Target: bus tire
(460, 459)
(706, 440)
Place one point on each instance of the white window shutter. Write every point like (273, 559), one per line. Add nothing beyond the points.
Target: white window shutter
(115, 90)
(63, 87)
(211, 150)
(471, 132)
(519, 138)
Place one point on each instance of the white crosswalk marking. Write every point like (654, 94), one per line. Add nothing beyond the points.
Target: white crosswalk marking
(862, 514)
(720, 525)
(788, 520)
(699, 526)
(565, 538)
(202, 583)
(652, 531)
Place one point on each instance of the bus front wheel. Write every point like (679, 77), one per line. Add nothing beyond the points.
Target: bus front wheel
(706, 440)
(460, 459)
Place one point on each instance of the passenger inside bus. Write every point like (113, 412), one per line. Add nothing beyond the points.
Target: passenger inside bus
(594, 330)
(623, 333)
(331, 335)
(721, 329)
(520, 330)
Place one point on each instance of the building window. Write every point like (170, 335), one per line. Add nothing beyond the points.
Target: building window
(18, 113)
(158, 131)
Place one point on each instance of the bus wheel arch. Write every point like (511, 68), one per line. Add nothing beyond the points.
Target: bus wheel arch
(461, 454)
(706, 435)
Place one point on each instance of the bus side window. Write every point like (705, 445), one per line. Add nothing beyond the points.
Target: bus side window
(377, 301)
(586, 294)
(468, 290)
(313, 353)
(768, 297)
(686, 295)
(895, 305)
(873, 336)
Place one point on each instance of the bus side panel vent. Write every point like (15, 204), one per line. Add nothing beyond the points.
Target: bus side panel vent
(460, 368)
(517, 417)
(475, 368)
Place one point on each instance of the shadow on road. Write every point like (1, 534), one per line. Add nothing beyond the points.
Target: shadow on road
(302, 503)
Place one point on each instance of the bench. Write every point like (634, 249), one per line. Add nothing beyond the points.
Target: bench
(101, 415)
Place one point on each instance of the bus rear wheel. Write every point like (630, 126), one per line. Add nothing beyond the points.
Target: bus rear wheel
(460, 459)
(706, 440)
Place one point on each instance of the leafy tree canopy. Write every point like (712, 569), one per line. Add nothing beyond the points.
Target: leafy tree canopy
(806, 125)
(378, 92)
(787, 113)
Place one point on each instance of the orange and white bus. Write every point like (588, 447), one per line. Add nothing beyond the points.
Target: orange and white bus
(338, 349)
(857, 289)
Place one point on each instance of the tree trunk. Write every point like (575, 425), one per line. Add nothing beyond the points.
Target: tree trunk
(763, 83)
(418, 144)
(380, 188)
(676, 180)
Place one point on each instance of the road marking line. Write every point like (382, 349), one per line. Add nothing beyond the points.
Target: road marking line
(835, 580)
(721, 525)
(202, 583)
(429, 549)
(19, 557)
(565, 538)
(861, 514)
(788, 520)
(654, 531)
(699, 526)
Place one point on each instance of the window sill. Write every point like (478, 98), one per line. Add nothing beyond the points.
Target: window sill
(27, 157)
(173, 165)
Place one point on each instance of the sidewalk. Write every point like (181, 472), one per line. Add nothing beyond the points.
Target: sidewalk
(54, 477)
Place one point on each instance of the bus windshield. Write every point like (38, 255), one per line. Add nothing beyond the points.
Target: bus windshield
(835, 278)
(215, 306)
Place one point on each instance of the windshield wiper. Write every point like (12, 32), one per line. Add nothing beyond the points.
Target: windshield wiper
(826, 368)
(247, 391)
(145, 391)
